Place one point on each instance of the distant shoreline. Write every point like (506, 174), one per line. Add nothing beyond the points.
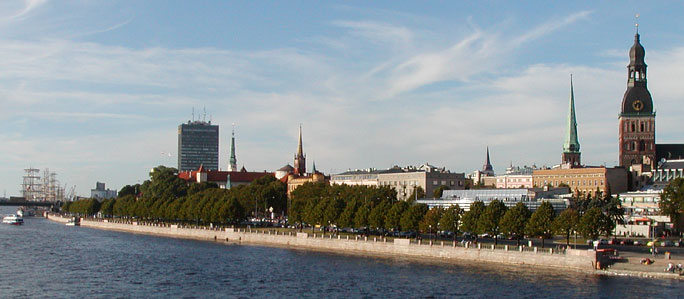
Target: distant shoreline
(575, 260)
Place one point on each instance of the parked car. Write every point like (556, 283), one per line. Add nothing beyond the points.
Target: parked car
(626, 242)
(468, 236)
(408, 234)
(637, 243)
(446, 234)
(667, 243)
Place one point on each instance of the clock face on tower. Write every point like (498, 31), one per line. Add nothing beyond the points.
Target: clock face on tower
(637, 105)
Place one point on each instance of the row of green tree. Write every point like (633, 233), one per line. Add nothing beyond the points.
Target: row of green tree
(495, 219)
(517, 222)
(316, 204)
(166, 197)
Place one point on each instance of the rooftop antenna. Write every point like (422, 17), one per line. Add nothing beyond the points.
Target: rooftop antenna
(204, 116)
(193, 113)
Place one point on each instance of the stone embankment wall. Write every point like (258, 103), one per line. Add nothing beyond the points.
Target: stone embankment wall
(571, 259)
(56, 218)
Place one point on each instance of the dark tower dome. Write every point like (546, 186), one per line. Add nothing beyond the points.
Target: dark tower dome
(637, 99)
(637, 52)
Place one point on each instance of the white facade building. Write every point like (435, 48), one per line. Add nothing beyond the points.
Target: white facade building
(642, 214)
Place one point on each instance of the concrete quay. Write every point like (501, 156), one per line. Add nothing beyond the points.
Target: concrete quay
(581, 260)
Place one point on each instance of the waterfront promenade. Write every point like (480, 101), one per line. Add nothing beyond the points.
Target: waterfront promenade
(576, 260)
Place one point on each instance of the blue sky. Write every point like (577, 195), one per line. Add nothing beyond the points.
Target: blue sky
(95, 90)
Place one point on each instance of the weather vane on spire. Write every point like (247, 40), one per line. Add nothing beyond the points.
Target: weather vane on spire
(637, 23)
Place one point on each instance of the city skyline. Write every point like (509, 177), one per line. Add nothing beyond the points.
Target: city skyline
(97, 94)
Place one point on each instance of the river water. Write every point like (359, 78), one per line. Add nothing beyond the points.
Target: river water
(48, 259)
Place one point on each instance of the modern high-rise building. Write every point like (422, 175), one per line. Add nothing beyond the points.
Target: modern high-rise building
(198, 145)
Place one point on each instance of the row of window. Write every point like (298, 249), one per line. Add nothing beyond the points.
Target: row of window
(581, 176)
(515, 180)
(576, 183)
(637, 75)
(638, 146)
(640, 199)
(640, 126)
(353, 178)
(414, 183)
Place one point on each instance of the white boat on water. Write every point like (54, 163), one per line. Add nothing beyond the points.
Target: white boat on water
(13, 219)
(74, 222)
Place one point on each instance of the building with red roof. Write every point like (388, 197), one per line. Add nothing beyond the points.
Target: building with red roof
(224, 179)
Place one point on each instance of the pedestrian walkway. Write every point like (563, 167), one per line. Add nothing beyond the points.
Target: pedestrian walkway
(631, 264)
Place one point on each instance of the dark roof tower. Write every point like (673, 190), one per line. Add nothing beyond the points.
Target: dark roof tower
(571, 147)
(637, 116)
(300, 158)
(637, 99)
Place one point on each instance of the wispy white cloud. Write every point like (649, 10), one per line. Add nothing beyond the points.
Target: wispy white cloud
(81, 116)
(377, 32)
(481, 52)
(101, 30)
(19, 10)
(137, 96)
(549, 27)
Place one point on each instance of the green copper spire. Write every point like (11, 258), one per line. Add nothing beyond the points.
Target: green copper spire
(233, 160)
(571, 144)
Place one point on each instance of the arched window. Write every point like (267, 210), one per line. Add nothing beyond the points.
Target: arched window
(626, 146)
(633, 127)
(642, 127)
(642, 146)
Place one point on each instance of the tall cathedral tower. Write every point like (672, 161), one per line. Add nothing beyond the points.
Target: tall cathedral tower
(300, 158)
(571, 147)
(637, 118)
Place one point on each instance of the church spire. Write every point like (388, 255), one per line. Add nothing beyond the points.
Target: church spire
(233, 161)
(300, 158)
(571, 146)
(487, 167)
(300, 150)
